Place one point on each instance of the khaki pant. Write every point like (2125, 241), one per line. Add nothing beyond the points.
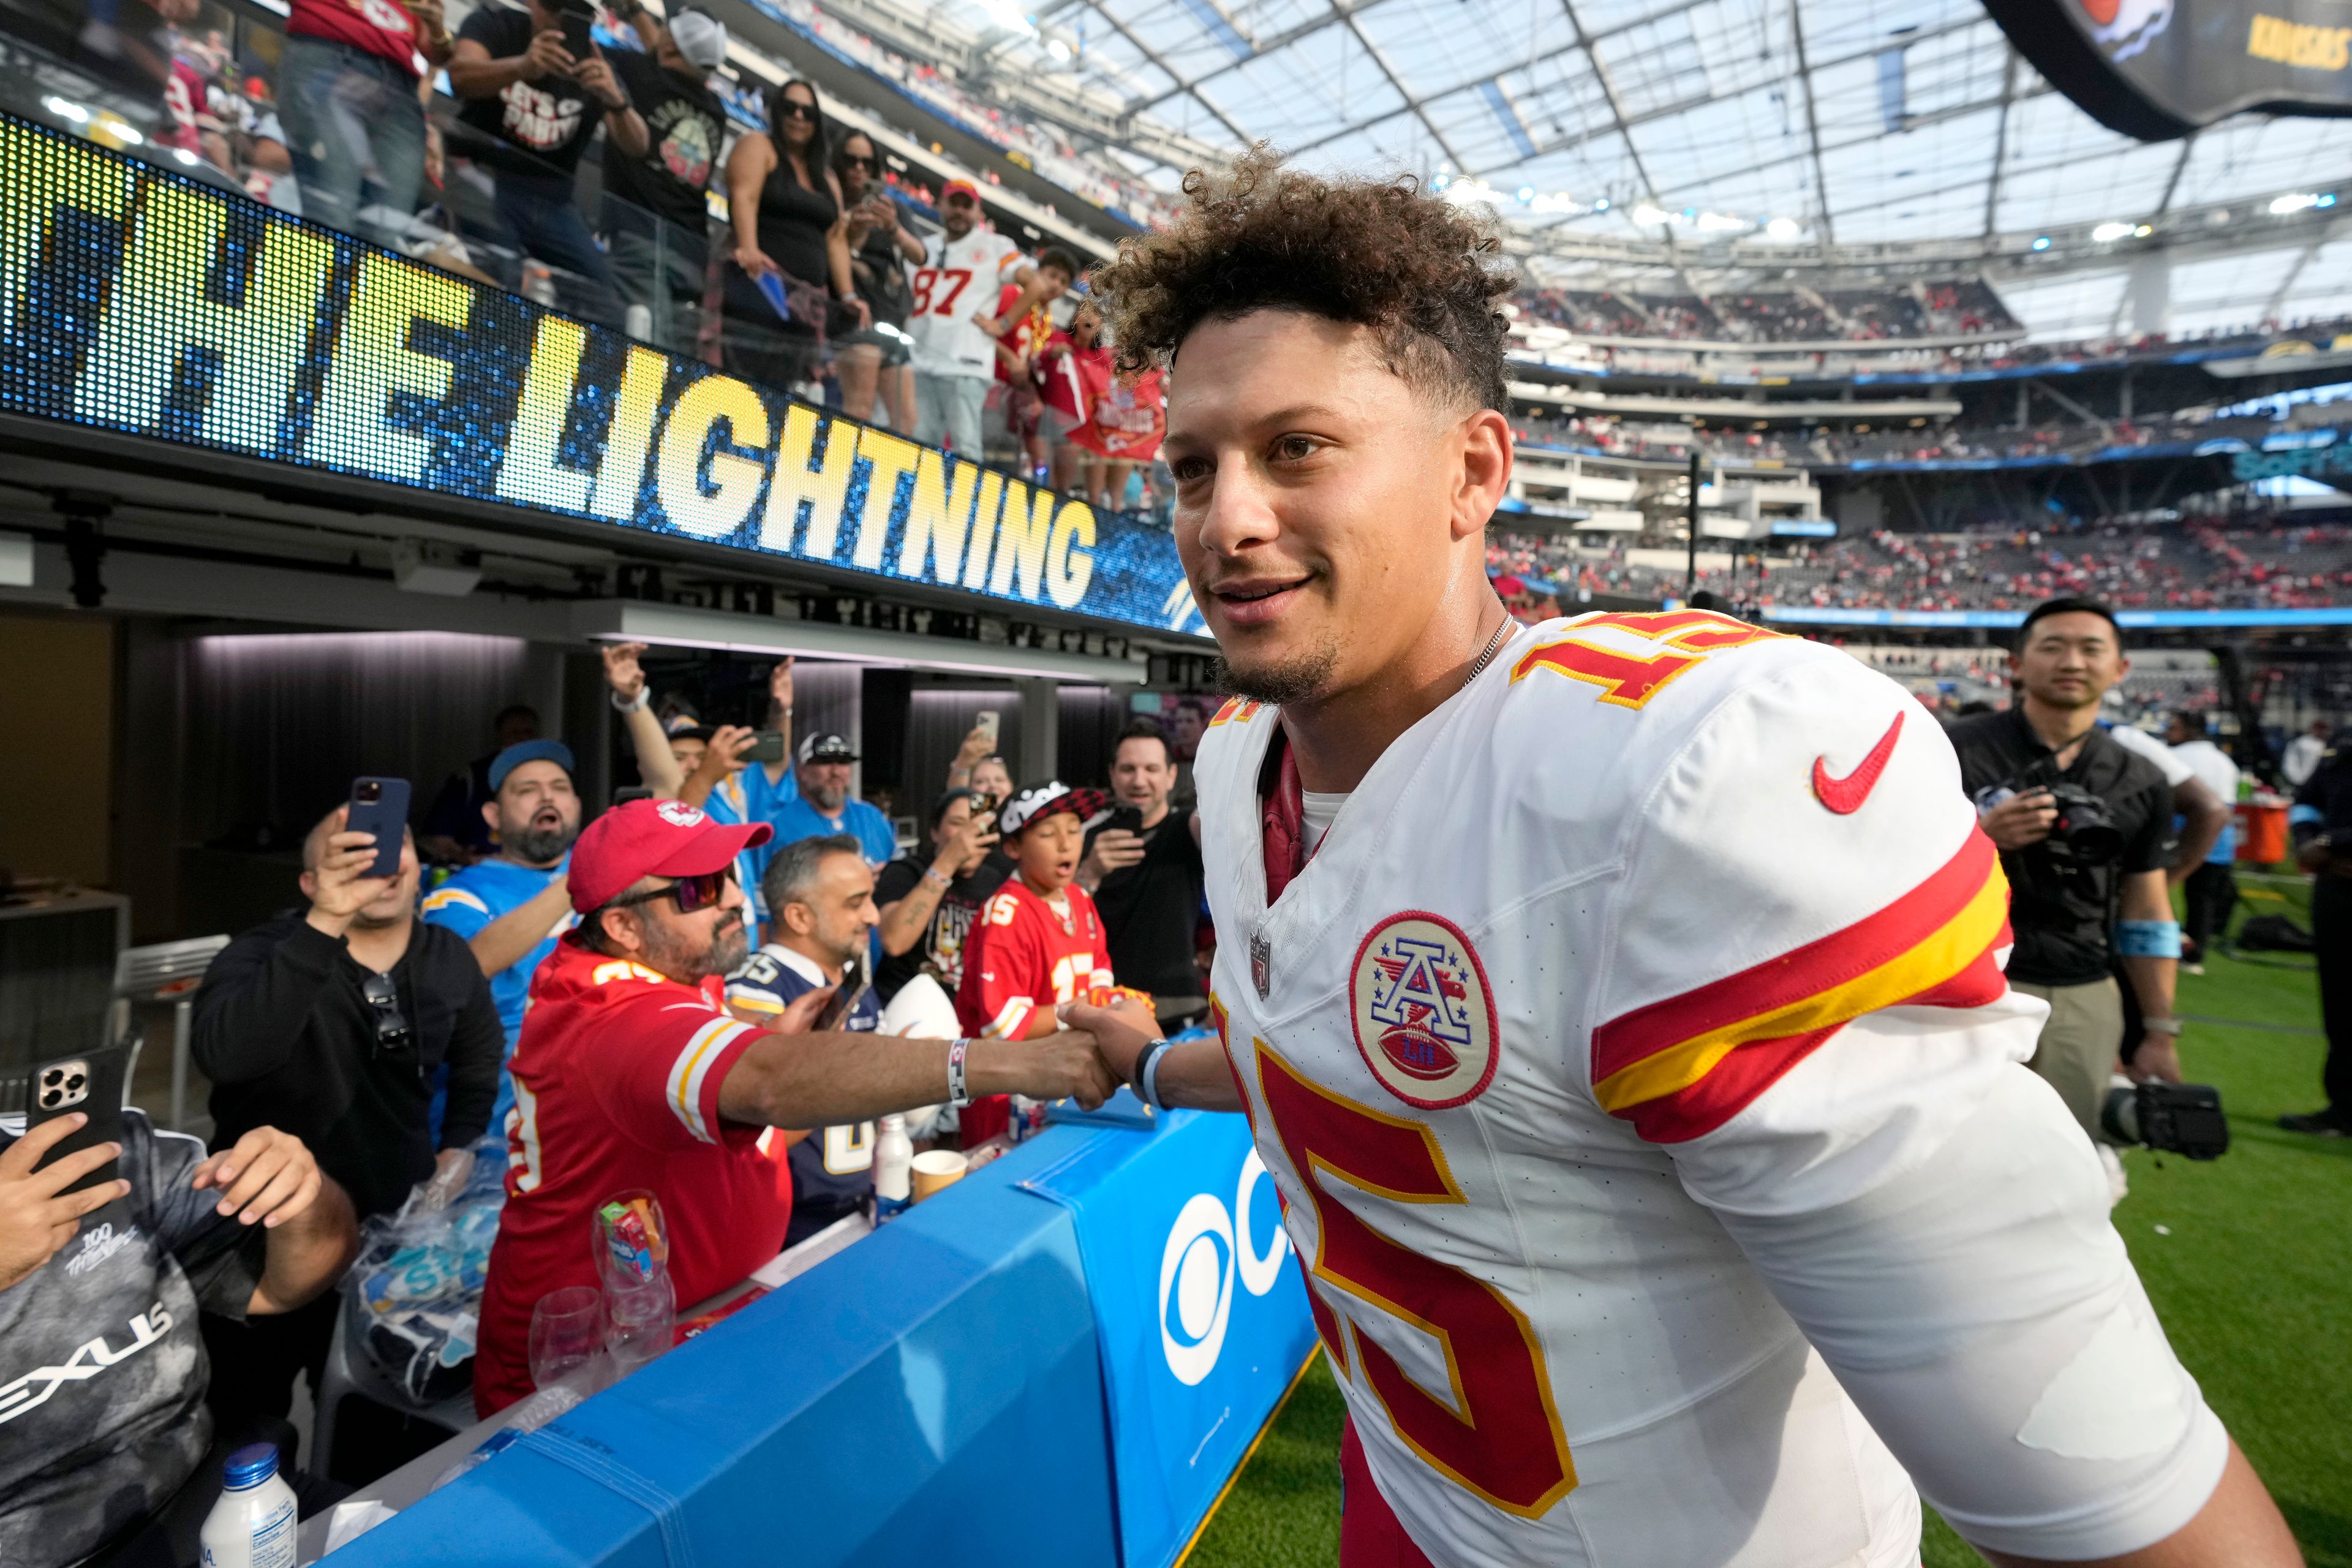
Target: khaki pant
(2077, 1049)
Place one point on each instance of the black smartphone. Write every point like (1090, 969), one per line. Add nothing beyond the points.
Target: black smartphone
(845, 995)
(380, 807)
(91, 1083)
(634, 792)
(576, 20)
(767, 746)
(1127, 819)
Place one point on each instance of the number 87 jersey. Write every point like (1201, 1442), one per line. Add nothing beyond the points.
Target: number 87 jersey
(1634, 1059)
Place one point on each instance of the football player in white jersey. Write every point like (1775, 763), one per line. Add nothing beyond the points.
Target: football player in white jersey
(1616, 1002)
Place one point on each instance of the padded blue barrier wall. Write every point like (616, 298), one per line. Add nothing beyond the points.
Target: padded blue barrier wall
(1202, 1319)
(937, 1391)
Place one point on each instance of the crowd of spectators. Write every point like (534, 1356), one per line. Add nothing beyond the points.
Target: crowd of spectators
(360, 1045)
(579, 153)
(1963, 308)
(2197, 562)
(1821, 447)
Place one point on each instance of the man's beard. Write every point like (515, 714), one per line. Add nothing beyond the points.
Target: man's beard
(729, 945)
(829, 800)
(538, 846)
(1301, 679)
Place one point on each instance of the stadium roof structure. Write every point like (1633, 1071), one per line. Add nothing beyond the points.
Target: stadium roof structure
(1713, 142)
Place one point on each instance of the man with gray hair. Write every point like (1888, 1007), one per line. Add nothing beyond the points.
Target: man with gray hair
(821, 911)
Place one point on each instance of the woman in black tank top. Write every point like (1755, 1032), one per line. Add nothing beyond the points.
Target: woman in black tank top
(880, 357)
(787, 213)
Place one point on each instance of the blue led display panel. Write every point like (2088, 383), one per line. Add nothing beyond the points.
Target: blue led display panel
(138, 301)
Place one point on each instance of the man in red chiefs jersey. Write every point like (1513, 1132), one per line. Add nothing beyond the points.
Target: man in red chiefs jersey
(1616, 1002)
(347, 95)
(631, 1074)
(1040, 941)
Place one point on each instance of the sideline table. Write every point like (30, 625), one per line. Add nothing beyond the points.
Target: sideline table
(1076, 1344)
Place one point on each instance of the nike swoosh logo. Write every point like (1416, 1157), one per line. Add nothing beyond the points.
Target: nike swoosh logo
(1845, 795)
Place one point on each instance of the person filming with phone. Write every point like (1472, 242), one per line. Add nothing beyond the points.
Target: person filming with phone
(929, 905)
(534, 86)
(632, 1073)
(330, 1022)
(821, 899)
(1143, 869)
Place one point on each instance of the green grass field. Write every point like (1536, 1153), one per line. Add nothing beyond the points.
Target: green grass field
(2246, 1259)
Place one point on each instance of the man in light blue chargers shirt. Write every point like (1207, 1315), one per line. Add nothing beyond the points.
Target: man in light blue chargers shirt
(511, 907)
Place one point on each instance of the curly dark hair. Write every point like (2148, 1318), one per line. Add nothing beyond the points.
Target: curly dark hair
(1422, 274)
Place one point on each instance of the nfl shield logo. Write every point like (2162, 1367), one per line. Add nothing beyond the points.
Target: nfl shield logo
(1260, 965)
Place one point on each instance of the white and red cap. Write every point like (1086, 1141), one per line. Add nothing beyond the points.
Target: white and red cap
(1043, 800)
(653, 839)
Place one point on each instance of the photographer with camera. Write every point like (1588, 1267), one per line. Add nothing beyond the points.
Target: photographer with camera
(2081, 824)
(2321, 822)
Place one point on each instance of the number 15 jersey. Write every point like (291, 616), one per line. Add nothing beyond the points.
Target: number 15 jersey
(1633, 1060)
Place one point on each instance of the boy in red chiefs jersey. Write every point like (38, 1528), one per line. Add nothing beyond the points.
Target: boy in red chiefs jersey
(1039, 941)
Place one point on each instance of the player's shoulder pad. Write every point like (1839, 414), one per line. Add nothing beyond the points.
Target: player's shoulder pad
(1646, 662)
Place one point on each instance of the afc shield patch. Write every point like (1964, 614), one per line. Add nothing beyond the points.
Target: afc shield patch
(1424, 1016)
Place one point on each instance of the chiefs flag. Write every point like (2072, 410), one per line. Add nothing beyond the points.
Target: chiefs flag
(2160, 68)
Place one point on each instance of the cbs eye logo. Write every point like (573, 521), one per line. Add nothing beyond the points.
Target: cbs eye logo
(1205, 1250)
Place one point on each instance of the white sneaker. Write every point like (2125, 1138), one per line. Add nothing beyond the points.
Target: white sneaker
(2118, 1184)
(2192, 969)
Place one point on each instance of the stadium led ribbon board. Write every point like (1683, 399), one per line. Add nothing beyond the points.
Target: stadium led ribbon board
(137, 300)
(2160, 68)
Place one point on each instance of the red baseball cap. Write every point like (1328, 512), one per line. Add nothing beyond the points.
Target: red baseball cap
(966, 187)
(653, 839)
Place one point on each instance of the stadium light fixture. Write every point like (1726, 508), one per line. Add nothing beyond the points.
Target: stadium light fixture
(65, 110)
(2294, 202)
(1783, 228)
(1649, 217)
(2042, 242)
(2108, 233)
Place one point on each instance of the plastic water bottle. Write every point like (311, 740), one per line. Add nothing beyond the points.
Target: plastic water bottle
(252, 1525)
(894, 1159)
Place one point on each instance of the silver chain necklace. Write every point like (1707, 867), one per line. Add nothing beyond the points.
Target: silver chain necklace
(1493, 643)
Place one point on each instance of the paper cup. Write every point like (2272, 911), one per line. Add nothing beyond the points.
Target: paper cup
(936, 1168)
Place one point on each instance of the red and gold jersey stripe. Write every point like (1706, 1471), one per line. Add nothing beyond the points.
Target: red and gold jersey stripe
(1682, 1067)
(1236, 711)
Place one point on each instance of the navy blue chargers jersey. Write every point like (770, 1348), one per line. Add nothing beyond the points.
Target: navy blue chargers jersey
(833, 1167)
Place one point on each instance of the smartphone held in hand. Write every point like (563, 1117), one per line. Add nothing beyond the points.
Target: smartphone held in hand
(91, 1083)
(380, 806)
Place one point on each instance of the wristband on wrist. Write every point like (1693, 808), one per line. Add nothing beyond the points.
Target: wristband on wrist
(2148, 939)
(959, 1094)
(931, 875)
(2160, 1026)
(1146, 1081)
(631, 705)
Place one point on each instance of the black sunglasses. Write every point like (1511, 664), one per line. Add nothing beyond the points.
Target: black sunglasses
(794, 109)
(860, 160)
(692, 893)
(392, 1032)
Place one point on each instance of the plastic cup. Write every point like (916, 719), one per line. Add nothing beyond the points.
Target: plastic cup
(640, 1321)
(566, 1328)
(936, 1168)
(630, 1240)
